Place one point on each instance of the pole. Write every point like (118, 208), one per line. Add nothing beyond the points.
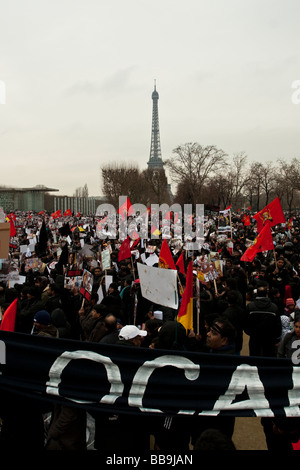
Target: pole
(198, 303)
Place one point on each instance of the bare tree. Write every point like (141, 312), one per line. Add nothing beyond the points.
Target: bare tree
(236, 174)
(121, 180)
(193, 164)
(82, 191)
(267, 173)
(288, 181)
(156, 189)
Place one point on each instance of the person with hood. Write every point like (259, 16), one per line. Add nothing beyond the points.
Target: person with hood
(29, 307)
(262, 325)
(60, 321)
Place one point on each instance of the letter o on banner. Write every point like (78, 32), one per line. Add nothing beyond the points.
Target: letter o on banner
(140, 381)
(113, 374)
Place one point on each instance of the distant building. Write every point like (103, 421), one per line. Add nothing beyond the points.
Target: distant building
(38, 199)
(24, 199)
(83, 205)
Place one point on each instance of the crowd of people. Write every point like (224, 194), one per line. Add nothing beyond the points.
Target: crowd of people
(259, 299)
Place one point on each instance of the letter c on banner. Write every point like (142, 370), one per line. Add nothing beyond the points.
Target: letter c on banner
(113, 374)
(141, 378)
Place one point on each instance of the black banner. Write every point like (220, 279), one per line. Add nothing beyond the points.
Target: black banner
(126, 379)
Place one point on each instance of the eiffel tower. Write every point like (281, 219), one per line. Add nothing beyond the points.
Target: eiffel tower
(155, 160)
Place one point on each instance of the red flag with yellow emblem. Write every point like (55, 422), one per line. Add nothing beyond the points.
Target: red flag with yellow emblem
(272, 215)
(263, 242)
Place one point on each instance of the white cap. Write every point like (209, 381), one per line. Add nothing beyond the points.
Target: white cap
(130, 332)
(158, 314)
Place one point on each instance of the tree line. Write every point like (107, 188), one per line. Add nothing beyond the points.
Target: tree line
(206, 175)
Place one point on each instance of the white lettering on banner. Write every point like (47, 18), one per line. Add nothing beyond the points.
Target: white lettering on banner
(143, 374)
(2, 352)
(294, 395)
(296, 354)
(245, 376)
(113, 374)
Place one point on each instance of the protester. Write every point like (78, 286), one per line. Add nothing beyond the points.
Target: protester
(43, 326)
(268, 285)
(263, 325)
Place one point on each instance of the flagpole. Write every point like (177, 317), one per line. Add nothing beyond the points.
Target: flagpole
(133, 271)
(198, 304)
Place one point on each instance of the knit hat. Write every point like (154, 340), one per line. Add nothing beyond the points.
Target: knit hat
(42, 317)
(290, 302)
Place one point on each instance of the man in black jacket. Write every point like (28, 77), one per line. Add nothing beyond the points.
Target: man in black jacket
(263, 325)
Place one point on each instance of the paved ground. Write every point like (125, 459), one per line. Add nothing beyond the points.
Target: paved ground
(248, 433)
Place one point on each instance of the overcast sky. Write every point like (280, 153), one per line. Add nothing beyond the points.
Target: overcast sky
(79, 77)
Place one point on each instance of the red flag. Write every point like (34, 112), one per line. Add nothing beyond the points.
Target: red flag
(124, 251)
(13, 231)
(9, 317)
(185, 314)
(125, 209)
(68, 212)
(263, 242)
(136, 241)
(272, 214)
(289, 223)
(180, 264)
(56, 214)
(12, 216)
(247, 220)
(226, 210)
(165, 257)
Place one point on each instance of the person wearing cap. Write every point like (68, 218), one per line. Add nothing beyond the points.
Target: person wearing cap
(123, 432)
(42, 325)
(131, 335)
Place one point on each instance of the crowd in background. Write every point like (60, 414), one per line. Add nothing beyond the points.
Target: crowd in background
(259, 299)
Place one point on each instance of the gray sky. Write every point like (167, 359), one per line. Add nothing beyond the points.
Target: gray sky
(79, 77)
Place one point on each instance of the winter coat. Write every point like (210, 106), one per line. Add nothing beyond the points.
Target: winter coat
(287, 346)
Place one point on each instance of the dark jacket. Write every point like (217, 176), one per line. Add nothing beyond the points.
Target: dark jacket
(287, 347)
(263, 325)
(262, 313)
